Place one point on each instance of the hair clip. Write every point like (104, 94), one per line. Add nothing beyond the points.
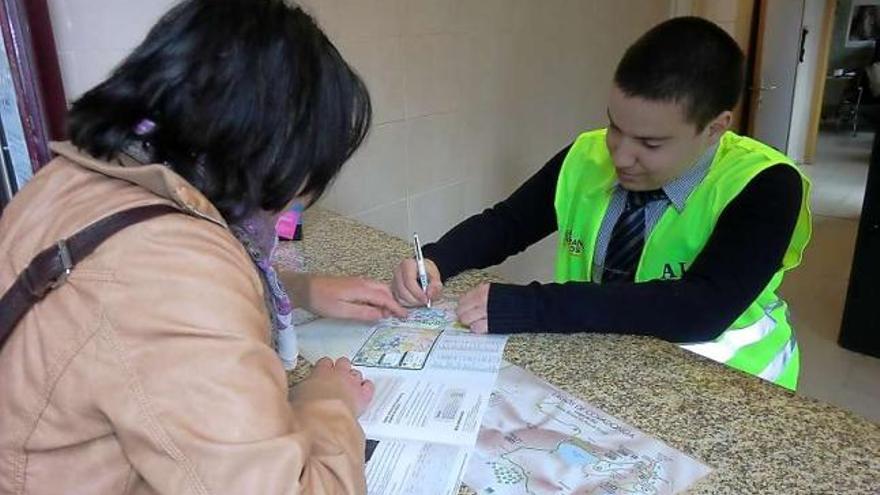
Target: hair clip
(144, 128)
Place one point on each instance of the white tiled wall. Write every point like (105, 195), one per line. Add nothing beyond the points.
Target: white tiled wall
(92, 36)
(481, 93)
(470, 96)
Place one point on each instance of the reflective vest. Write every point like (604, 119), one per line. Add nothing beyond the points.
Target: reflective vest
(760, 341)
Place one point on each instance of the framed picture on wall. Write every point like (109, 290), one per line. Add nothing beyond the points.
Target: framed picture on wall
(863, 27)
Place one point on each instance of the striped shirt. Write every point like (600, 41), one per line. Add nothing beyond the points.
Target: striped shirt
(676, 192)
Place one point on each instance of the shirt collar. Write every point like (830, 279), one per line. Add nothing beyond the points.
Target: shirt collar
(678, 190)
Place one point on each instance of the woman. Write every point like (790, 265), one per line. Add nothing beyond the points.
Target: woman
(152, 369)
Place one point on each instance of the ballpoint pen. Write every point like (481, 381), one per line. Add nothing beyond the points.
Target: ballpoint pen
(420, 264)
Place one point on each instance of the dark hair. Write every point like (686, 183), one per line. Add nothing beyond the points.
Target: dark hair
(685, 60)
(251, 103)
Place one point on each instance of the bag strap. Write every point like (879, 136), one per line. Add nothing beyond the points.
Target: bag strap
(53, 265)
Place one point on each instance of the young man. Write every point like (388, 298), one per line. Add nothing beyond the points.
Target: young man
(669, 224)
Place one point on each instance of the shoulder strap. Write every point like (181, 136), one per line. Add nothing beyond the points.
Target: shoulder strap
(51, 267)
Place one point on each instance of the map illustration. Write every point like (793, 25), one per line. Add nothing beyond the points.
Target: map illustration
(440, 315)
(536, 440)
(398, 347)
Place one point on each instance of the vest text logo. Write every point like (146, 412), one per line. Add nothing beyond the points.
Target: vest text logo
(575, 246)
(669, 272)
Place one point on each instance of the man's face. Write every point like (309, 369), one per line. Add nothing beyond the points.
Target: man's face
(651, 143)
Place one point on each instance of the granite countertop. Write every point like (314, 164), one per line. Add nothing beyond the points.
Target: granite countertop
(758, 437)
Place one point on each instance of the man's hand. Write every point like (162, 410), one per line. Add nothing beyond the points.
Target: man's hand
(473, 309)
(405, 284)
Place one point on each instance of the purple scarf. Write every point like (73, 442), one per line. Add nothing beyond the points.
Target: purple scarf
(257, 234)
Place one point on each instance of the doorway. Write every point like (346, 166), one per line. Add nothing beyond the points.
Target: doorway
(830, 132)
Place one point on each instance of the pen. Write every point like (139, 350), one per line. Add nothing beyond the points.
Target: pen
(420, 264)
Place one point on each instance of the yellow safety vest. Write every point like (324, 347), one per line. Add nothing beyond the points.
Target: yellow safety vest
(760, 341)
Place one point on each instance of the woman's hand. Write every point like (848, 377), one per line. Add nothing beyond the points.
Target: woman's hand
(328, 376)
(351, 298)
(405, 284)
(473, 309)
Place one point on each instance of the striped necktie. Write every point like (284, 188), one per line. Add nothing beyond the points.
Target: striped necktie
(628, 237)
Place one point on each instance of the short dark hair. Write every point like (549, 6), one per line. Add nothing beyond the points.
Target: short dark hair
(685, 60)
(251, 103)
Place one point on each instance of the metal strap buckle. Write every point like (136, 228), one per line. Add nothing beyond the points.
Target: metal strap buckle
(66, 263)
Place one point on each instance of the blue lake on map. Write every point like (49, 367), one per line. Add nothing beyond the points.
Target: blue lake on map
(575, 456)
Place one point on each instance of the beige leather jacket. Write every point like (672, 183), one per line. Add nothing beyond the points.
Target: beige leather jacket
(150, 370)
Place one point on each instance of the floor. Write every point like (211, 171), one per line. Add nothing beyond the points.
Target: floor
(839, 172)
(816, 290)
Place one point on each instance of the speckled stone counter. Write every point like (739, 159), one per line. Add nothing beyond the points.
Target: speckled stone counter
(759, 438)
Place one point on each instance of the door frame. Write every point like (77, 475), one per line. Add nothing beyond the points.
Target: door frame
(33, 82)
(820, 77)
(754, 77)
(754, 81)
